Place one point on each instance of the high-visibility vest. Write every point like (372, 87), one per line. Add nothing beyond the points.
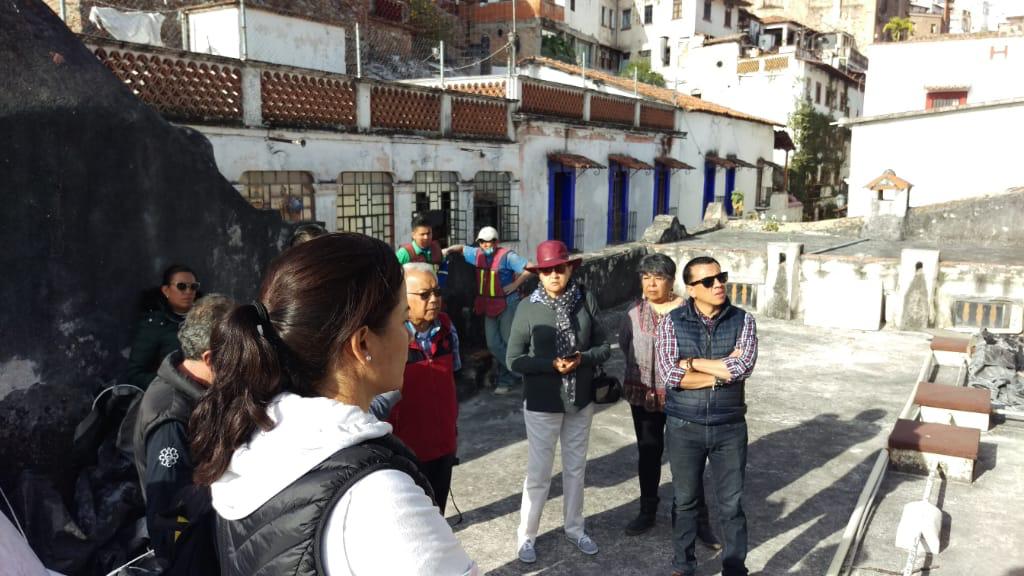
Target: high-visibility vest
(490, 299)
(436, 256)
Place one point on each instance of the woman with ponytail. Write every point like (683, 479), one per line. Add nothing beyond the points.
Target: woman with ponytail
(303, 478)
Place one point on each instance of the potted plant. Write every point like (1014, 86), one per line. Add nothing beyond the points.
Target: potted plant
(737, 203)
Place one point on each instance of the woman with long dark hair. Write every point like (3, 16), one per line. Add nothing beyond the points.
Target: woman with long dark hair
(303, 479)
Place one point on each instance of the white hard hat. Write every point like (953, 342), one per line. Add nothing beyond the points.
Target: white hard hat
(487, 234)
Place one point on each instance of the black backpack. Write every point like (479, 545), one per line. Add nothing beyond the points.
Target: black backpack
(195, 548)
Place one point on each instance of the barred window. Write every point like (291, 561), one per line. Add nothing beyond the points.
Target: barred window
(492, 205)
(366, 204)
(677, 9)
(287, 191)
(437, 198)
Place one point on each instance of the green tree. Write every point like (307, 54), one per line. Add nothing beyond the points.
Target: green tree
(898, 28)
(557, 47)
(643, 72)
(432, 24)
(820, 149)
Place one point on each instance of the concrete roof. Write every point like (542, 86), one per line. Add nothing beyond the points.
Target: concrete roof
(933, 112)
(954, 37)
(683, 101)
(816, 422)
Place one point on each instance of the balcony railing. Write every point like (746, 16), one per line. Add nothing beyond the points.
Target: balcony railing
(199, 88)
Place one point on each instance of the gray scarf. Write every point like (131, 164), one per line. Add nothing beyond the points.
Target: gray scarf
(565, 332)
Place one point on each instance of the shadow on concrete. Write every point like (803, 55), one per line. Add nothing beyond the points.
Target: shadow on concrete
(780, 459)
(987, 458)
(608, 470)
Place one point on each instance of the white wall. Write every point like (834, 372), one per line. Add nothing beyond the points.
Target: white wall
(270, 38)
(946, 155)
(902, 72)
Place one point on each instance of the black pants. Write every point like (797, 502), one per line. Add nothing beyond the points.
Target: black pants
(650, 441)
(439, 474)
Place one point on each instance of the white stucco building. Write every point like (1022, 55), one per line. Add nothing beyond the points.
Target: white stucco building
(940, 113)
(266, 36)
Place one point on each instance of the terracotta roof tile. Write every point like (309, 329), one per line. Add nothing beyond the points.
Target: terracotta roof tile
(652, 92)
(673, 164)
(574, 160)
(629, 162)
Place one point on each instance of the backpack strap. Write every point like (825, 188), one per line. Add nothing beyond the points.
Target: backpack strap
(373, 455)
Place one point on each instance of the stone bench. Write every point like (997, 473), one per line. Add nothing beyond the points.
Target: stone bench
(950, 350)
(917, 447)
(957, 405)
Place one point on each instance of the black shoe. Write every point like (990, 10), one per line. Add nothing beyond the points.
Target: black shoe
(707, 538)
(642, 523)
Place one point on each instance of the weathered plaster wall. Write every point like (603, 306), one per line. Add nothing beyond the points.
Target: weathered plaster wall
(914, 147)
(989, 221)
(100, 195)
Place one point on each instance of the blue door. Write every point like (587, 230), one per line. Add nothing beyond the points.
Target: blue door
(709, 187)
(662, 191)
(730, 185)
(561, 203)
(618, 203)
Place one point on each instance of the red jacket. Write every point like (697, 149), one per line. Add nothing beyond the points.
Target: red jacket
(426, 416)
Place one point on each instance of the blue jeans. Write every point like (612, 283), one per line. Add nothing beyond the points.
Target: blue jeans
(496, 330)
(725, 447)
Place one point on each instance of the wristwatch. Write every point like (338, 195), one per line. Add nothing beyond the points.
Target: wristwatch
(719, 383)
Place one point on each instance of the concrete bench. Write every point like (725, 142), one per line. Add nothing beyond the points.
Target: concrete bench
(958, 405)
(917, 447)
(950, 350)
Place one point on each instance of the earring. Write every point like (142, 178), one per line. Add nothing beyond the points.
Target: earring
(368, 357)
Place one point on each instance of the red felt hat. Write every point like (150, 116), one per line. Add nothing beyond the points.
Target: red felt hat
(551, 253)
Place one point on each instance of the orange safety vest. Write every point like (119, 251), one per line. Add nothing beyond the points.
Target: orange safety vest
(436, 257)
(490, 299)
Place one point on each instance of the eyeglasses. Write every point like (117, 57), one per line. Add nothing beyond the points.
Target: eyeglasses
(708, 282)
(561, 269)
(426, 294)
(185, 286)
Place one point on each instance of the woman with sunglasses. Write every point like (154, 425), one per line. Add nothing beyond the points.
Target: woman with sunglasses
(156, 335)
(555, 343)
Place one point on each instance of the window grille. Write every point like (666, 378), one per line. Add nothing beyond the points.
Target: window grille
(366, 204)
(289, 192)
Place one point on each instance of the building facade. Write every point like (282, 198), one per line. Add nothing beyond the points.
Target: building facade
(863, 19)
(933, 112)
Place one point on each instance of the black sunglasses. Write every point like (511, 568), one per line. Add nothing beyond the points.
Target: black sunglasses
(560, 269)
(708, 282)
(426, 294)
(183, 286)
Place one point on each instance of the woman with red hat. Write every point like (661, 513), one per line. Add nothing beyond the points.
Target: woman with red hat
(555, 343)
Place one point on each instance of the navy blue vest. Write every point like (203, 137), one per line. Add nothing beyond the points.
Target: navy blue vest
(695, 340)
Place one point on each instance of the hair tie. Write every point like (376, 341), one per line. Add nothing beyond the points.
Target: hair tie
(263, 318)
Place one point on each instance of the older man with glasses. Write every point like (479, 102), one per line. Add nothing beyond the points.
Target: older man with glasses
(424, 419)
(706, 350)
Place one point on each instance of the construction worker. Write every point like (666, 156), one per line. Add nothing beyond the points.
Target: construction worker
(424, 248)
(500, 273)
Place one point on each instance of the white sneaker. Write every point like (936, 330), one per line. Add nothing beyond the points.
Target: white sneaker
(527, 554)
(585, 544)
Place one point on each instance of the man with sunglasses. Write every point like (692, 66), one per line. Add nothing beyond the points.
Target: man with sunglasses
(706, 350)
(424, 419)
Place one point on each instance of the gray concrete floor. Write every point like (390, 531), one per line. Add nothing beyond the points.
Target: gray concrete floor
(821, 403)
(982, 522)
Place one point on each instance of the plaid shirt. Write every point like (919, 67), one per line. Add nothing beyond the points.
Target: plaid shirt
(668, 350)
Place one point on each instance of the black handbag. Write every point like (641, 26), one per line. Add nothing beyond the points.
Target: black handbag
(607, 389)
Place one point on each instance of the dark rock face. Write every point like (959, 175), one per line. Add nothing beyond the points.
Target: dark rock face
(99, 195)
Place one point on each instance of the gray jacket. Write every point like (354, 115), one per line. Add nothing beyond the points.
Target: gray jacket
(532, 351)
